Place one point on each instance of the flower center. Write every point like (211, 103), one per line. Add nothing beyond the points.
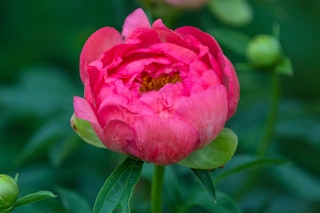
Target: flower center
(148, 83)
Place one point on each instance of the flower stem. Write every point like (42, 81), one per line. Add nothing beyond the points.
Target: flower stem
(272, 116)
(156, 189)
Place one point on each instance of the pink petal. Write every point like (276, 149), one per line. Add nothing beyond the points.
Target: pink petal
(84, 111)
(117, 107)
(137, 19)
(99, 42)
(165, 101)
(111, 109)
(139, 65)
(158, 24)
(167, 35)
(208, 79)
(195, 45)
(165, 141)
(205, 38)
(152, 99)
(179, 53)
(144, 37)
(120, 137)
(230, 80)
(207, 111)
(93, 81)
(114, 56)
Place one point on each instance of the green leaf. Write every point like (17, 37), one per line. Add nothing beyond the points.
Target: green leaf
(284, 67)
(72, 202)
(117, 190)
(41, 90)
(40, 142)
(225, 204)
(37, 196)
(206, 180)
(232, 12)
(256, 163)
(234, 40)
(60, 150)
(216, 154)
(85, 131)
(301, 183)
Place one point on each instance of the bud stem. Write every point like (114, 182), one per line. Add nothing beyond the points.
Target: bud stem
(267, 134)
(272, 116)
(156, 189)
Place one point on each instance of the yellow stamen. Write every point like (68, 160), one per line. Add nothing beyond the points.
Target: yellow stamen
(148, 83)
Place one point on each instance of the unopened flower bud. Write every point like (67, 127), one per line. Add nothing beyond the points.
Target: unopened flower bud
(263, 51)
(9, 191)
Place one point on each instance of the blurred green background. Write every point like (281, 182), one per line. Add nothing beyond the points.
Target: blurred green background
(40, 43)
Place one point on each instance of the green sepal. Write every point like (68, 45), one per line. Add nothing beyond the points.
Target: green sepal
(34, 197)
(216, 154)
(284, 66)
(117, 190)
(84, 129)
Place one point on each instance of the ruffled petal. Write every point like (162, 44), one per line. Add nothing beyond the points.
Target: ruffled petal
(203, 37)
(84, 111)
(159, 24)
(111, 109)
(120, 137)
(167, 35)
(139, 64)
(165, 101)
(137, 19)
(165, 141)
(179, 53)
(207, 40)
(117, 107)
(143, 37)
(208, 79)
(207, 111)
(99, 42)
(231, 82)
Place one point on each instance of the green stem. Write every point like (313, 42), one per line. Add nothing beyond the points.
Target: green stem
(272, 116)
(156, 189)
(267, 134)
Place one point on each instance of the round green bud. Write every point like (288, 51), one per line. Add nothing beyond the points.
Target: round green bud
(9, 191)
(263, 51)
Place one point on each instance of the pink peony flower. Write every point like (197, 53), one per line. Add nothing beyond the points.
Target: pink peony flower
(154, 93)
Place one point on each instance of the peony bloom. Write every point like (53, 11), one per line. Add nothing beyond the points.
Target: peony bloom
(154, 93)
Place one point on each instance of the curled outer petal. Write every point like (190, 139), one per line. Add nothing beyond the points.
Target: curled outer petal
(165, 141)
